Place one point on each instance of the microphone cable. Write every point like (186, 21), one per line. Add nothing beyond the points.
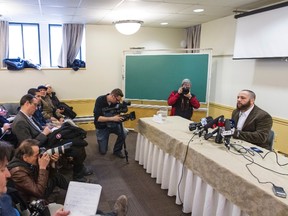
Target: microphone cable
(243, 152)
(182, 172)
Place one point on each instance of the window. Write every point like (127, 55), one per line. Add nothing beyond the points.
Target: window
(55, 41)
(24, 41)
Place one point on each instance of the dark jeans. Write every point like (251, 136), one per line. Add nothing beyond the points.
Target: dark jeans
(103, 138)
(78, 154)
(55, 179)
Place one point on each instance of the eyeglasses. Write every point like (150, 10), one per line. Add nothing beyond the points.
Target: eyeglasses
(35, 104)
(118, 99)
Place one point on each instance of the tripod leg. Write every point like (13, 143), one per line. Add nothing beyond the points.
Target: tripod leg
(124, 143)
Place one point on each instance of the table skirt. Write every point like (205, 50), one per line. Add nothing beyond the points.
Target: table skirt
(190, 190)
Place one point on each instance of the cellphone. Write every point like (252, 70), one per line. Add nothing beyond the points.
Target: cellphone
(256, 149)
(279, 191)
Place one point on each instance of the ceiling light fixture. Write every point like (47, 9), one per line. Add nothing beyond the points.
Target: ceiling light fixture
(128, 27)
(198, 10)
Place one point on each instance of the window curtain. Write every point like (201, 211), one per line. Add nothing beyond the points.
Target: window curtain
(72, 39)
(193, 37)
(4, 41)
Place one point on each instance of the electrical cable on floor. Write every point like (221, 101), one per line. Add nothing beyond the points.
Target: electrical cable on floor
(182, 172)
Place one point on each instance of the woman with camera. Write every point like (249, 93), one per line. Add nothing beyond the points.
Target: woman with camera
(183, 101)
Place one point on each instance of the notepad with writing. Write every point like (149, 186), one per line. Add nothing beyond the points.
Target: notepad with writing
(82, 199)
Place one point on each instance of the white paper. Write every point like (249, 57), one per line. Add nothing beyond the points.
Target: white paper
(82, 199)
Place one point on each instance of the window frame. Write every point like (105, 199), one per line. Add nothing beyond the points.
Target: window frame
(22, 37)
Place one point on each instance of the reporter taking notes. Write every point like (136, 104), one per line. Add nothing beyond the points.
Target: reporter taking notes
(252, 123)
(183, 102)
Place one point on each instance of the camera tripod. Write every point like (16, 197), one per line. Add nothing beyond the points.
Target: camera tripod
(124, 142)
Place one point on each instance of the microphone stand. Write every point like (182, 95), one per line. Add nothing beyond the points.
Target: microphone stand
(227, 142)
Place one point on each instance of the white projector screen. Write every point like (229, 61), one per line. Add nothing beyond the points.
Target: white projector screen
(262, 35)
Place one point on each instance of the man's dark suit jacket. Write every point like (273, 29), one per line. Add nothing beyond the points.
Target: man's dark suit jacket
(24, 129)
(256, 127)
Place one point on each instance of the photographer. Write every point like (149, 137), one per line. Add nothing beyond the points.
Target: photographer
(32, 172)
(17, 206)
(183, 101)
(26, 127)
(106, 124)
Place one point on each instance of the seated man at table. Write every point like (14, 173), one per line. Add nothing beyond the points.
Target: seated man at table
(252, 123)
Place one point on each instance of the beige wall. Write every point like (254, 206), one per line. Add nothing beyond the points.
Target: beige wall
(105, 48)
(267, 78)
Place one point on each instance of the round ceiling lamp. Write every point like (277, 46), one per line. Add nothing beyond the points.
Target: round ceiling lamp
(128, 27)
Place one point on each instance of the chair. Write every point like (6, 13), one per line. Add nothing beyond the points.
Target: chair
(270, 140)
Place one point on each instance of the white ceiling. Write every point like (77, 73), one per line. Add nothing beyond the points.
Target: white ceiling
(178, 13)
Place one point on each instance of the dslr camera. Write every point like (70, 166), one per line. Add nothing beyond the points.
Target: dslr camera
(59, 149)
(185, 90)
(118, 109)
(39, 208)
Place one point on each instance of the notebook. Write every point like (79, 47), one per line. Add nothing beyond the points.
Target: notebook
(82, 199)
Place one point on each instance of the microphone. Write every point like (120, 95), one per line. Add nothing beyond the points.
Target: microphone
(200, 125)
(209, 135)
(219, 121)
(228, 132)
(213, 123)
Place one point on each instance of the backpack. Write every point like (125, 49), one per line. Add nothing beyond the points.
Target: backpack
(67, 133)
(68, 111)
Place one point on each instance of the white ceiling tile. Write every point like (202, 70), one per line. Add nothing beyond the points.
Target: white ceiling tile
(179, 13)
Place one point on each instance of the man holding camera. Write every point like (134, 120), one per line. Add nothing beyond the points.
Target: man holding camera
(32, 173)
(183, 101)
(109, 122)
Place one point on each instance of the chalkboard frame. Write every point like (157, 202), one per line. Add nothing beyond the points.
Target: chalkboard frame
(174, 84)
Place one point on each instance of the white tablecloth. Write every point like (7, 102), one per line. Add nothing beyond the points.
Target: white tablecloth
(214, 180)
(195, 195)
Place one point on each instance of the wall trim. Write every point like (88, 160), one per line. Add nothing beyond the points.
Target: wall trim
(230, 109)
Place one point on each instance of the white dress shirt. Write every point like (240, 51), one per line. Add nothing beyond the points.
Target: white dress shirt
(242, 118)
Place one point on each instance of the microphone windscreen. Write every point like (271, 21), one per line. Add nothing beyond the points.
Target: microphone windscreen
(214, 122)
(227, 125)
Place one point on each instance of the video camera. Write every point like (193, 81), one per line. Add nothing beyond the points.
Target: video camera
(118, 109)
(59, 149)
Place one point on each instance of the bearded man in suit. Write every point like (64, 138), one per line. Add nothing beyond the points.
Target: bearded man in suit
(252, 123)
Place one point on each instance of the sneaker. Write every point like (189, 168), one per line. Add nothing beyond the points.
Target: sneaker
(121, 206)
(119, 154)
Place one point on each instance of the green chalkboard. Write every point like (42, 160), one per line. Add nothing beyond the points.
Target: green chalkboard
(153, 77)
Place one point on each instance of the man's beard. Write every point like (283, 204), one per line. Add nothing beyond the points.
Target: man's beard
(244, 107)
